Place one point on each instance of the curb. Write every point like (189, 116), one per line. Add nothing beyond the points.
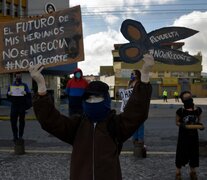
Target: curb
(124, 152)
(5, 118)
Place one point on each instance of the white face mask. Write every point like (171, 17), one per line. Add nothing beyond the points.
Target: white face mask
(94, 99)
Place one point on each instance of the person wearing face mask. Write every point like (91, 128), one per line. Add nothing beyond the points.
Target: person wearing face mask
(134, 78)
(138, 136)
(18, 92)
(75, 89)
(97, 135)
(187, 151)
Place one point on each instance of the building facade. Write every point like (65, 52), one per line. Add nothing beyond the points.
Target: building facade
(9, 9)
(20, 9)
(24, 8)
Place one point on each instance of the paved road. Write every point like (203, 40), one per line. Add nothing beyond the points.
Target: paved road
(37, 166)
(47, 158)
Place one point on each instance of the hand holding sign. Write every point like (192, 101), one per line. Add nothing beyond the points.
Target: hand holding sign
(141, 43)
(35, 72)
(146, 68)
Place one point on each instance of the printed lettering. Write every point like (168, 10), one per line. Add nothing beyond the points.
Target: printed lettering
(52, 39)
(7, 31)
(160, 37)
(10, 41)
(34, 24)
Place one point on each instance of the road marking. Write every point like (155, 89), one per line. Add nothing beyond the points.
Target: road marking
(69, 152)
(5, 118)
(150, 152)
(38, 151)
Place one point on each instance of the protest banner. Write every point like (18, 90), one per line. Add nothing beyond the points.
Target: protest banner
(124, 94)
(51, 39)
(141, 42)
(17, 90)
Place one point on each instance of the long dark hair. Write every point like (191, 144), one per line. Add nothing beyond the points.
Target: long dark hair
(137, 74)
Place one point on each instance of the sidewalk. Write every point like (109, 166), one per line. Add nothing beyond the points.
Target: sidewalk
(56, 167)
(48, 158)
(63, 108)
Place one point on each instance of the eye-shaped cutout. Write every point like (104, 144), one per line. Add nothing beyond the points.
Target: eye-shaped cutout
(132, 52)
(133, 32)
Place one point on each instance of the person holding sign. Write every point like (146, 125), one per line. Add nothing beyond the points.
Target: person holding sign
(188, 140)
(138, 136)
(97, 135)
(18, 92)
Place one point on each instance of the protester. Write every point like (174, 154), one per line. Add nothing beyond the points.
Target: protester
(97, 135)
(164, 94)
(18, 92)
(75, 89)
(138, 136)
(188, 140)
(176, 96)
(134, 78)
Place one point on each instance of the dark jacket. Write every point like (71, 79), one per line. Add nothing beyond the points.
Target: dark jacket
(95, 153)
(18, 101)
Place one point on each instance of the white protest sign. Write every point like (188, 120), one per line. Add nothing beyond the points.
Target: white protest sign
(124, 94)
(17, 90)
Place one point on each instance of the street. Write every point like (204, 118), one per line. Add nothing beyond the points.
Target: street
(47, 158)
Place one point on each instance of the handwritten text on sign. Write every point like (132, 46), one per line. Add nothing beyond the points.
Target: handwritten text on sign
(124, 94)
(50, 40)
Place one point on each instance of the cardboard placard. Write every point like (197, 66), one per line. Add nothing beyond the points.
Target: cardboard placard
(194, 126)
(141, 42)
(52, 40)
(124, 94)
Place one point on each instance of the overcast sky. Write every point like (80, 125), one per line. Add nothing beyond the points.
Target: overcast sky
(102, 20)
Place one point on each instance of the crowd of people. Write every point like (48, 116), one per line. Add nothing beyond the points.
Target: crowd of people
(95, 131)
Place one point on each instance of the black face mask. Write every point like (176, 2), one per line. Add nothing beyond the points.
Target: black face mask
(18, 80)
(188, 103)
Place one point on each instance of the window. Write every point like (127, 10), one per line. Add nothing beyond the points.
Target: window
(191, 74)
(204, 87)
(161, 74)
(0, 7)
(4, 82)
(8, 12)
(15, 10)
(174, 74)
(183, 74)
(23, 12)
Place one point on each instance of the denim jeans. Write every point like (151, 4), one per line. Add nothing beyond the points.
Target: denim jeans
(139, 133)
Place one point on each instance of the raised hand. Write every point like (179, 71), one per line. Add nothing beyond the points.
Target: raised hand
(147, 67)
(35, 72)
